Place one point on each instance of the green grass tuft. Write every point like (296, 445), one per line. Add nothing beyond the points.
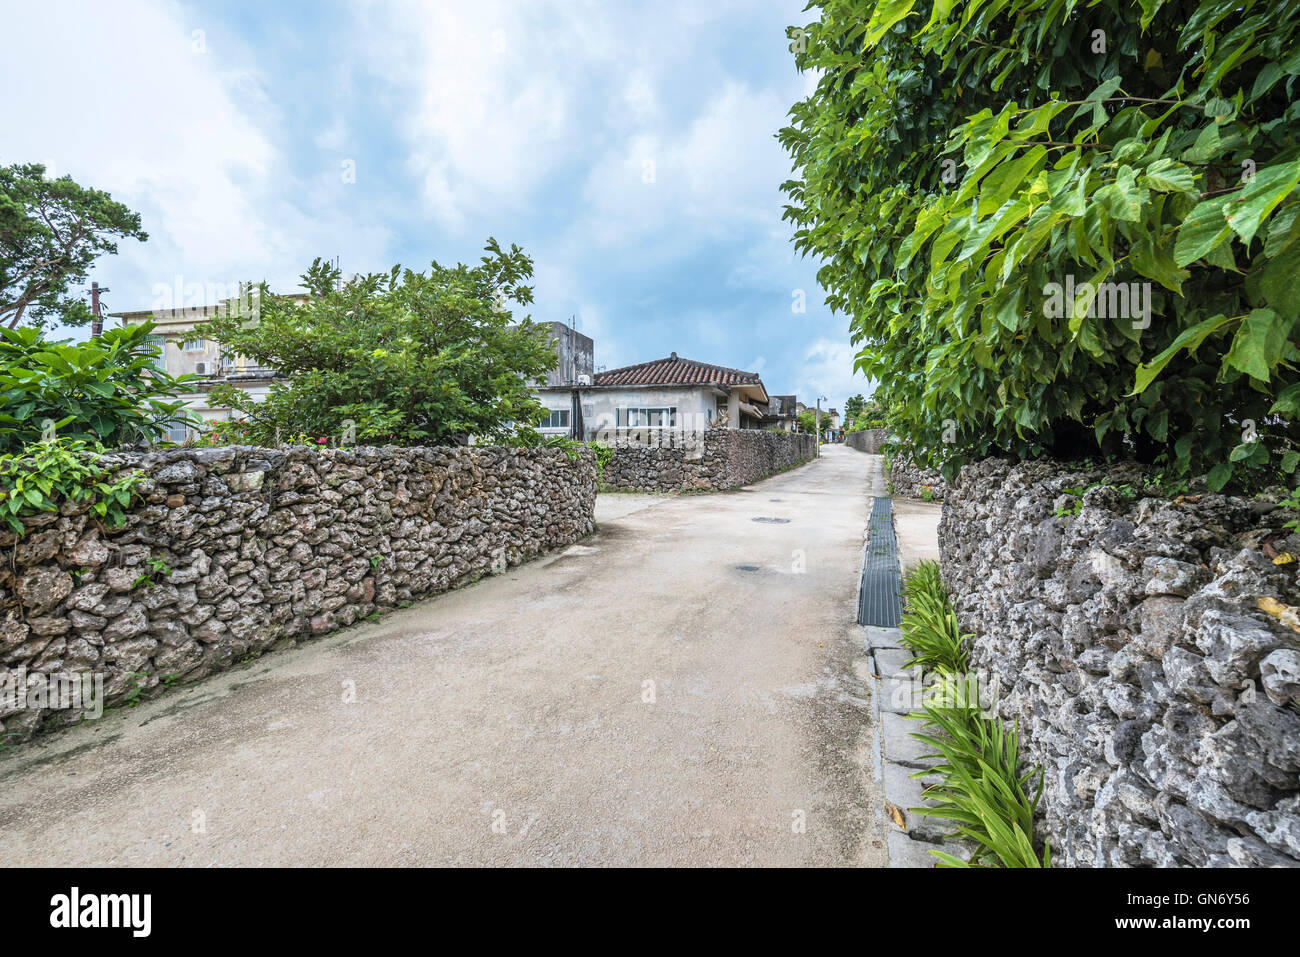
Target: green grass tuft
(983, 787)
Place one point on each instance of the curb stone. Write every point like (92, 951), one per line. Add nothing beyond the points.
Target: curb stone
(897, 755)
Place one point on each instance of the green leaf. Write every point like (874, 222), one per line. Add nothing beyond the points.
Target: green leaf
(1258, 344)
(1203, 229)
(1206, 147)
(1123, 199)
(885, 15)
(1157, 263)
(1166, 175)
(1219, 475)
(1280, 282)
(1249, 208)
(1189, 339)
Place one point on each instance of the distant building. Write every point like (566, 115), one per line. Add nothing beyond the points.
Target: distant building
(669, 393)
(187, 351)
(783, 413)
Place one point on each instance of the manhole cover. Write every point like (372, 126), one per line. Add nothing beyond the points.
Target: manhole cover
(771, 521)
(747, 568)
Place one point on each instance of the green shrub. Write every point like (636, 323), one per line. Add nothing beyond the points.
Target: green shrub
(107, 391)
(409, 358)
(47, 474)
(960, 163)
(604, 455)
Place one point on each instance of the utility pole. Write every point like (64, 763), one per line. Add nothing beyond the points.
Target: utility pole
(818, 436)
(96, 324)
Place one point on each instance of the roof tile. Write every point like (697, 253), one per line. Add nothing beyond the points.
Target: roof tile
(675, 371)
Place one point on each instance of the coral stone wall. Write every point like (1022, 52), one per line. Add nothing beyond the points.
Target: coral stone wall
(1149, 651)
(867, 440)
(709, 460)
(909, 480)
(259, 546)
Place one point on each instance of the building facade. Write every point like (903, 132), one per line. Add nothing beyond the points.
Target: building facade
(670, 393)
(186, 350)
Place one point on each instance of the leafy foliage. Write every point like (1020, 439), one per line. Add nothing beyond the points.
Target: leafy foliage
(852, 408)
(604, 455)
(808, 421)
(957, 159)
(410, 358)
(107, 391)
(871, 415)
(47, 474)
(51, 231)
(982, 786)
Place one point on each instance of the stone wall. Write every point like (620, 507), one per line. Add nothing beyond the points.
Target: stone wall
(909, 480)
(1148, 649)
(651, 460)
(256, 548)
(867, 440)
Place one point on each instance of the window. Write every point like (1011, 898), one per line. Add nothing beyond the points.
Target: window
(556, 419)
(153, 350)
(177, 432)
(663, 417)
(195, 345)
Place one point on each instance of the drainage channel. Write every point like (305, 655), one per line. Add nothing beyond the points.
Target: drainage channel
(879, 601)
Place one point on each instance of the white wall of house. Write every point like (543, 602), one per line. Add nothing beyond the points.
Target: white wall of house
(607, 408)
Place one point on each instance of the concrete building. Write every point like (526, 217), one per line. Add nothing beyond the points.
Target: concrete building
(187, 351)
(782, 413)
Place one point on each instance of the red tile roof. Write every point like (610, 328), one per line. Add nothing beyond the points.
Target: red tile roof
(676, 371)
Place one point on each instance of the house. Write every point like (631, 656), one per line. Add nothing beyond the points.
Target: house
(575, 366)
(187, 351)
(783, 413)
(669, 393)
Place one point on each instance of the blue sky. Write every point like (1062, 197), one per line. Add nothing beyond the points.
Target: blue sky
(629, 149)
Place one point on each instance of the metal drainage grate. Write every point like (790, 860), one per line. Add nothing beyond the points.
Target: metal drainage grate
(879, 601)
(771, 521)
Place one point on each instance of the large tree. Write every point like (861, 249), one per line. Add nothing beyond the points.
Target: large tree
(51, 231)
(1062, 227)
(852, 407)
(408, 358)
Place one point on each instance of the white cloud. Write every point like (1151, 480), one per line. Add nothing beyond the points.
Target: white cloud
(492, 87)
(176, 125)
(827, 369)
(533, 122)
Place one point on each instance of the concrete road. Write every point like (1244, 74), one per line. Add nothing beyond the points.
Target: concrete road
(684, 687)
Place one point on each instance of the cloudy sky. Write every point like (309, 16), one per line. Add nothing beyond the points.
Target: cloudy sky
(628, 148)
